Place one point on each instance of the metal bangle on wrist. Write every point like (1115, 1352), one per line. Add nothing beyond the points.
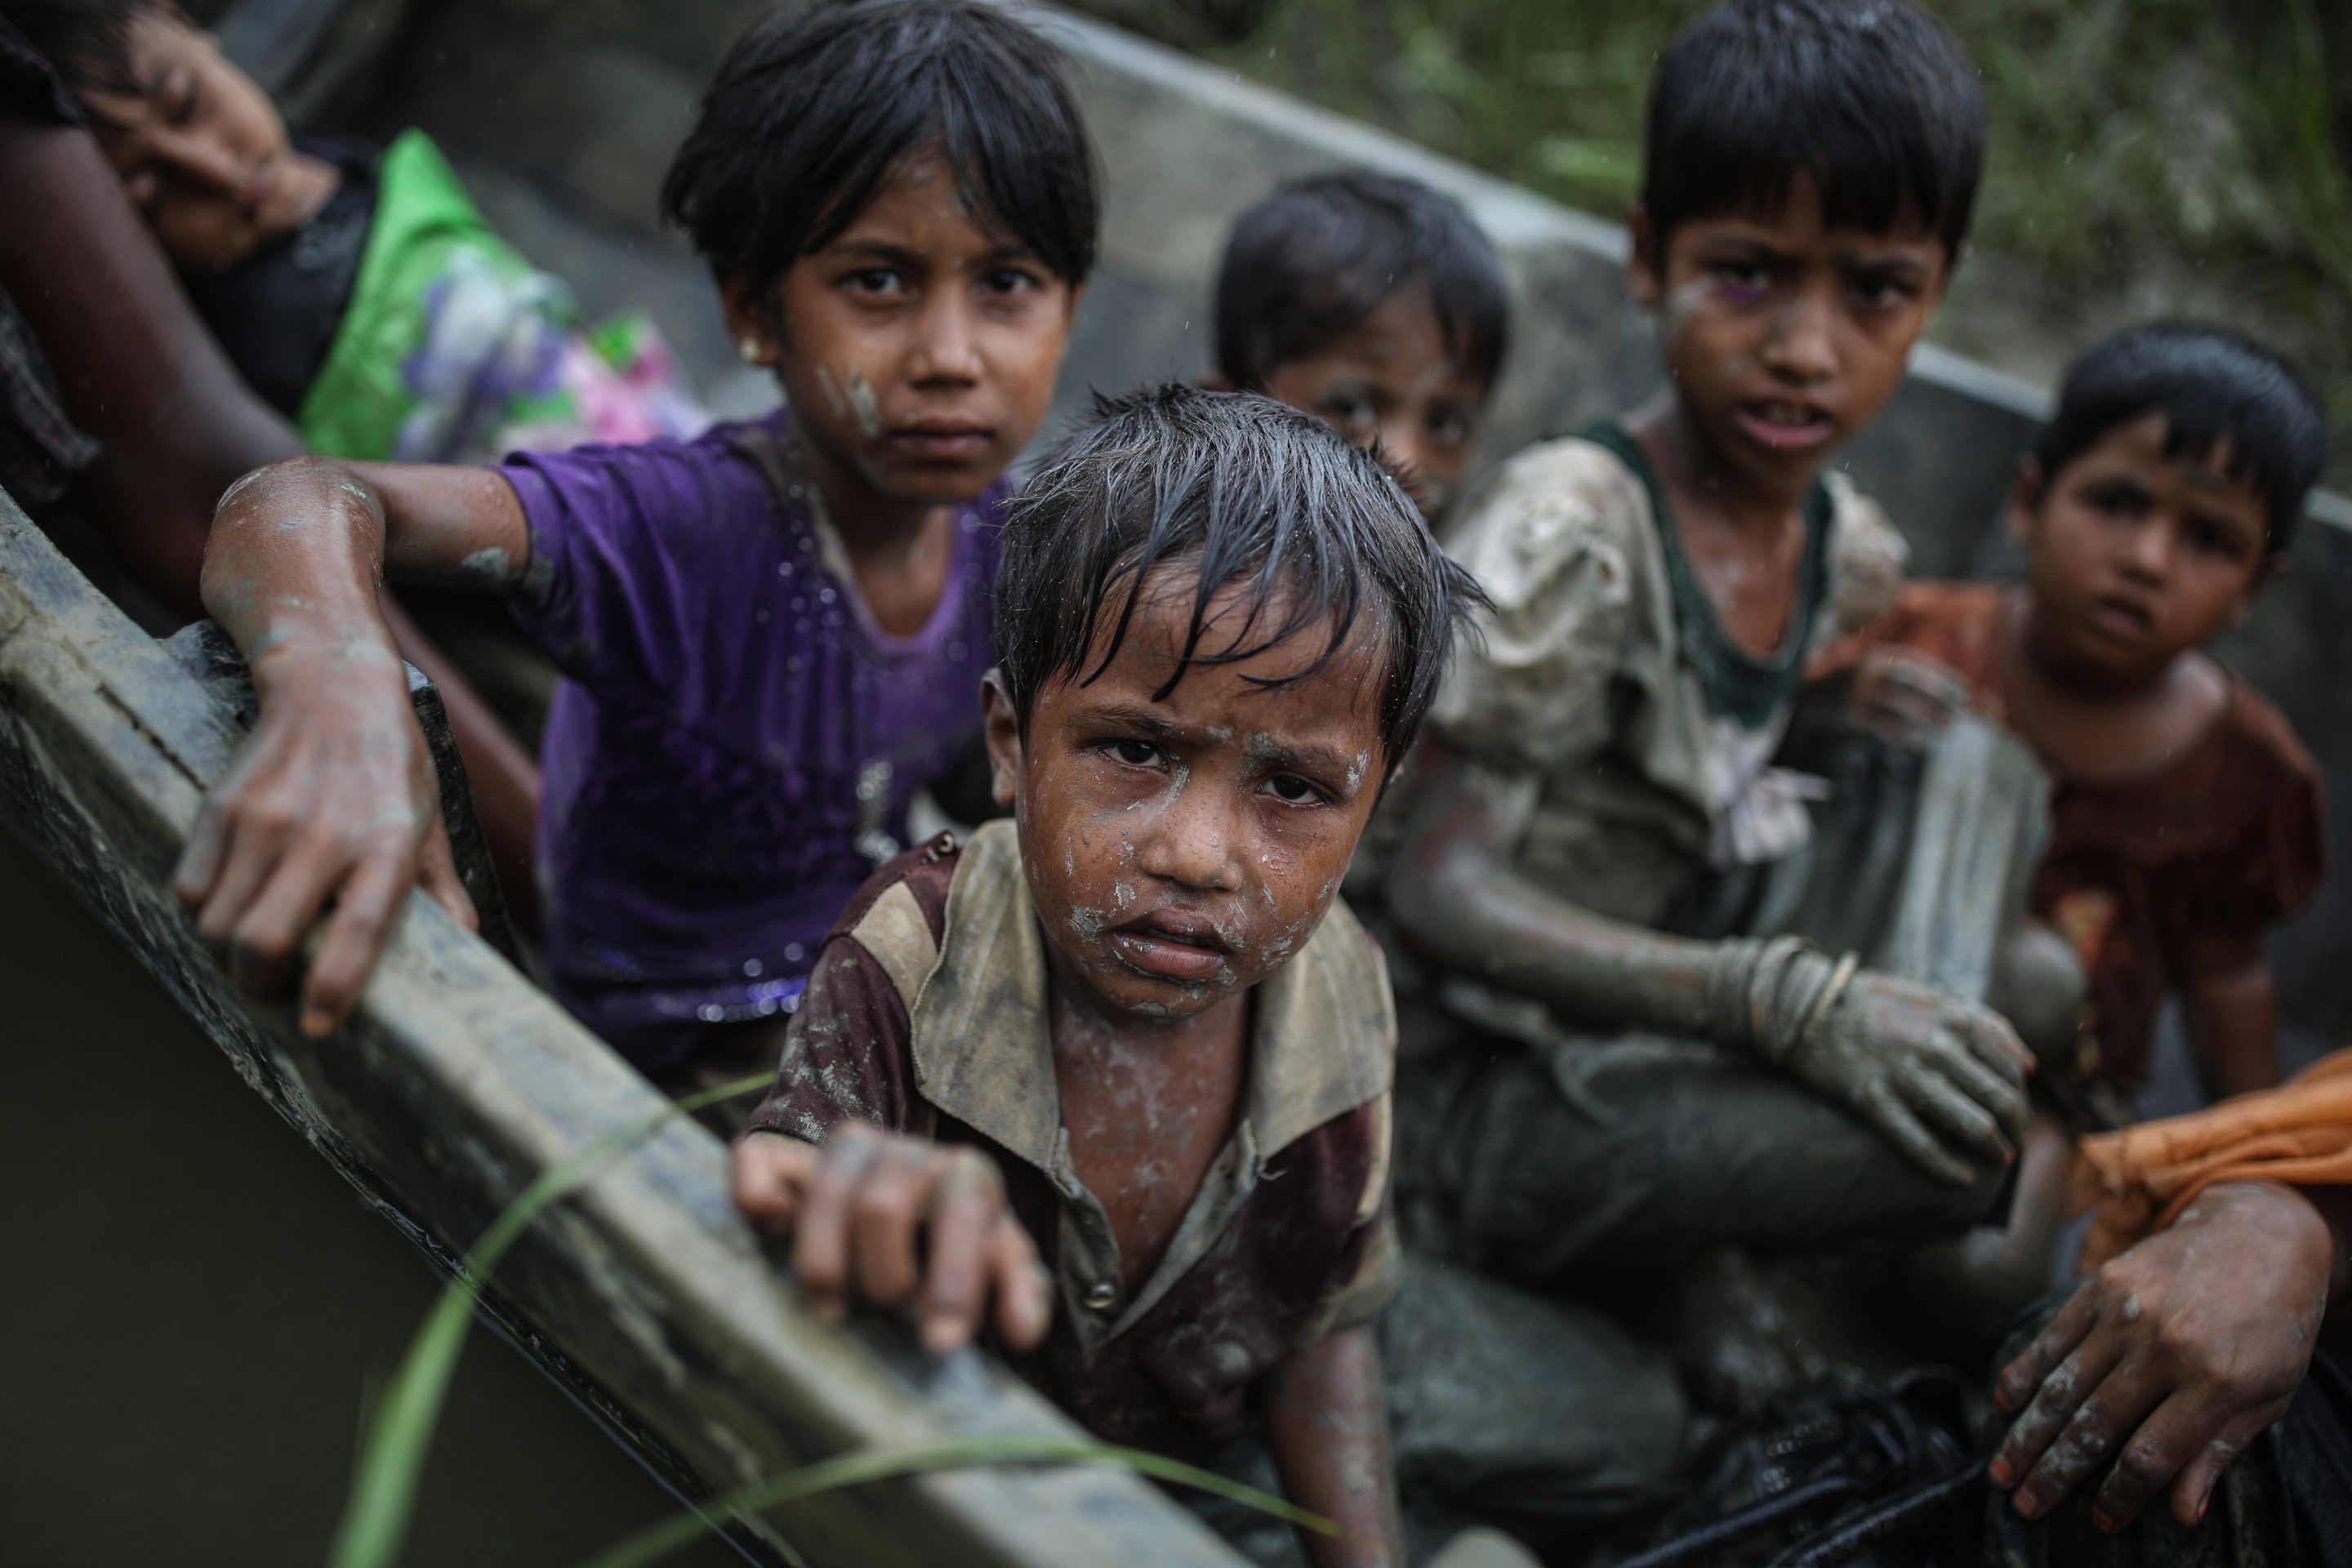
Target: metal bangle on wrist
(1761, 993)
(1769, 995)
(1824, 1004)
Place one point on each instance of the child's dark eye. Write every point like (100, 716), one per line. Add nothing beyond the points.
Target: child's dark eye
(1292, 789)
(2121, 502)
(875, 280)
(1743, 282)
(1449, 425)
(1883, 291)
(1351, 412)
(2217, 539)
(1009, 281)
(1135, 754)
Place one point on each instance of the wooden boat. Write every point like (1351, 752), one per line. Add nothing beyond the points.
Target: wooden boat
(459, 1082)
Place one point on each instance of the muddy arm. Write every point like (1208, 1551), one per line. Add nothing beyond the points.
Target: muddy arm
(1455, 894)
(1942, 1079)
(1328, 1427)
(335, 799)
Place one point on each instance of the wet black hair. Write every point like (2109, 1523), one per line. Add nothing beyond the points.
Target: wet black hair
(1874, 98)
(1232, 487)
(815, 105)
(2212, 385)
(1310, 260)
(88, 42)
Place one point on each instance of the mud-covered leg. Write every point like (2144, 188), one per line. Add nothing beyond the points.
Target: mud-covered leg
(1624, 1154)
(1510, 1409)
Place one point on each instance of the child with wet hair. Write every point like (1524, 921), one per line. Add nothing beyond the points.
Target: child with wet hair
(2154, 509)
(1112, 1078)
(1375, 304)
(772, 635)
(355, 288)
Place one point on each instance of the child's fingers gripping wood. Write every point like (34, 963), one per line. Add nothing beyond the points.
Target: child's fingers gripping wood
(979, 1251)
(333, 800)
(364, 909)
(901, 1224)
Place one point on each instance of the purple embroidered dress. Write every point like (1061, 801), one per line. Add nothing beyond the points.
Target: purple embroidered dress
(735, 741)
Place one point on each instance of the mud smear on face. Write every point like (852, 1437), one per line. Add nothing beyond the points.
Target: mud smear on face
(868, 406)
(832, 399)
(1682, 307)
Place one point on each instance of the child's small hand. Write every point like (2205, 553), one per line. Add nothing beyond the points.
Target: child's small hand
(1905, 697)
(902, 1223)
(1942, 1079)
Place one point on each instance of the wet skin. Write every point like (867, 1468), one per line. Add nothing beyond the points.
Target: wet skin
(917, 350)
(1783, 340)
(201, 150)
(1393, 378)
(2172, 1357)
(331, 799)
(1179, 849)
(2135, 560)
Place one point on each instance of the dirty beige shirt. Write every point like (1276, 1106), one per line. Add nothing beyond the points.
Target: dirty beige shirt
(1577, 697)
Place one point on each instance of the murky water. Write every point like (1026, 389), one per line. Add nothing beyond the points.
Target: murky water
(194, 1307)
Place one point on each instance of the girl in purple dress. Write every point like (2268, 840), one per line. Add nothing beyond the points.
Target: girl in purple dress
(772, 636)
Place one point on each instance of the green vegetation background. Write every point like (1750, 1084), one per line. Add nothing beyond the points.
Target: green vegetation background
(2148, 157)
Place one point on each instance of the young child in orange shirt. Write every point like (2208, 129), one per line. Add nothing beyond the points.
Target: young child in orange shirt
(2154, 510)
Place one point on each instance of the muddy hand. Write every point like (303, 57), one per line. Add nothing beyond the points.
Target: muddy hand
(2169, 1360)
(331, 801)
(1942, 1080)
(901, 1224)
(1906, 698)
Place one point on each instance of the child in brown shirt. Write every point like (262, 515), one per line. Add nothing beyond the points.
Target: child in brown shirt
(2154, 509)
(1132, 1033)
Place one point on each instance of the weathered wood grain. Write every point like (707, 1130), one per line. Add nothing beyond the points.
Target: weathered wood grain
(458, 1083)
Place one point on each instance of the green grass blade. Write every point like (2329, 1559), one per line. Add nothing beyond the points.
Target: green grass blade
(392, 1459)
(854, 1470)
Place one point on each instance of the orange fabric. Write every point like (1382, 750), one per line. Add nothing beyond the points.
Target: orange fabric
(2299, 1133)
